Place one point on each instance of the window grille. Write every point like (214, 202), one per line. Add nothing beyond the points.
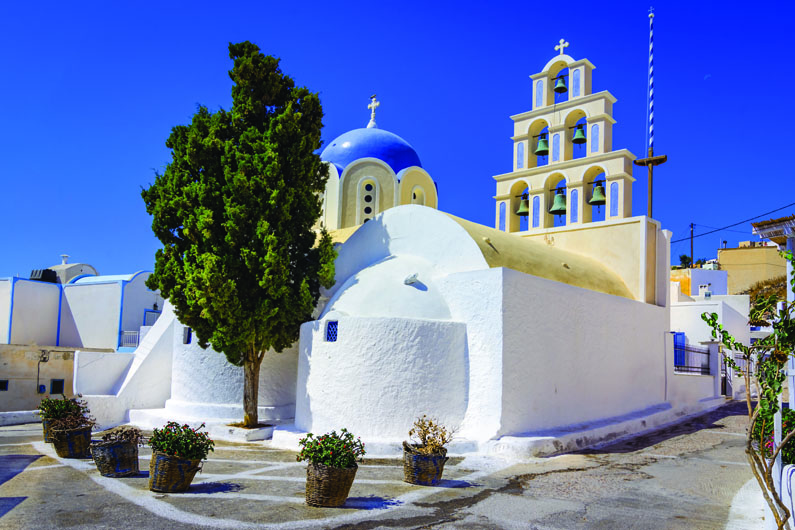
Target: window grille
(331, 331)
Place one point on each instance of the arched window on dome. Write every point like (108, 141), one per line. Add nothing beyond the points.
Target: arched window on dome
(418, 195)
(367, 200)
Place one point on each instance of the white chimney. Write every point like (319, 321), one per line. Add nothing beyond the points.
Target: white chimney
(64, 259)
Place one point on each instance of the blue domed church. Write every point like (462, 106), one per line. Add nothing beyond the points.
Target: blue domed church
(372, 170)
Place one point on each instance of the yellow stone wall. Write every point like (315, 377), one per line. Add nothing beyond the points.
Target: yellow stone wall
(748, 265)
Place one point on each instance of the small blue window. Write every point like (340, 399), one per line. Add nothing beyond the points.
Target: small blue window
(331, 331)
(539, 92)
(614, 199)
(4, 385)
(502, 216)
(575, 83)
(594, 138)
(56, 386)
(573, 206)
(520, 155)
(536, 208)
(556, 148)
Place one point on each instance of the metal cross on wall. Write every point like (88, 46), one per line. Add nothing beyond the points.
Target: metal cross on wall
(374, 104)
(563, 44)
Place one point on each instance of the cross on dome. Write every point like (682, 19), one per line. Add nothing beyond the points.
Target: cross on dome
(374, 104)
(563, 44)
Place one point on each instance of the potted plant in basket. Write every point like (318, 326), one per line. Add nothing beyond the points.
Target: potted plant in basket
(331, 466)
(177, 452)
(68, 426)
(423, 462)
(55, 409)
(117, 454)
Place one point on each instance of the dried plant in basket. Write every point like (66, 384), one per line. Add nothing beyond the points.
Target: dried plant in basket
(123, 434)
(428, 437)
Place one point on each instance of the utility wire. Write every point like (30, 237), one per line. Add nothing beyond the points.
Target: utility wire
(735, 224)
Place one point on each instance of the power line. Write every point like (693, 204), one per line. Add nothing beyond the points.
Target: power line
(726, 229)
(735, 224)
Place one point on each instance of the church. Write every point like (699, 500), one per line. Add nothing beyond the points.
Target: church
(555, 320)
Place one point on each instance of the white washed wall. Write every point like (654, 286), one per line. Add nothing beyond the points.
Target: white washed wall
(380, 375)
(572, 355)
(5, 308)
(95, 309)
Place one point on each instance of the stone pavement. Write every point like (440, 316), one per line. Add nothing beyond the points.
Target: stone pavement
(684, 476)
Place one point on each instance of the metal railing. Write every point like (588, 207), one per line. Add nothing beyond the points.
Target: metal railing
(691, 360)
(129, 339)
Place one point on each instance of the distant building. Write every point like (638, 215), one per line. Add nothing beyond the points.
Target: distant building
(750, 262)
(693, 281)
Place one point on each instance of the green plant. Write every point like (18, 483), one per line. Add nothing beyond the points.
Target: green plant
(182, 441)
(332, 449)
(54, 409)
(764, 366)
(431, 437)
(235, 210)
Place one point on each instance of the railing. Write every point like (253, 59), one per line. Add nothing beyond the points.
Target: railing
(129, 339)
(691, 360)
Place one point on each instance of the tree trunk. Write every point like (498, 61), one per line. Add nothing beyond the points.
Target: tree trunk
(251, 390)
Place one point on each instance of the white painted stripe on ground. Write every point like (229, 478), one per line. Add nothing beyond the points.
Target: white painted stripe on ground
(690, 459)
(36, 468)
(15, 445)
(245, 496)
(740, 434)
(270, 478)
(145, 499)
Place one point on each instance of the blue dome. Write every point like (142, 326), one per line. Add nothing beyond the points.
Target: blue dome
(371, 143)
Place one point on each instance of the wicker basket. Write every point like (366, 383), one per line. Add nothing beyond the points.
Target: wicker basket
(424, 470)
(171, 474)
(116, 459)
(328, 486)
(74, 443)
(45, 428)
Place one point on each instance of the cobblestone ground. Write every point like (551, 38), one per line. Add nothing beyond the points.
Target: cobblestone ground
(684, 476)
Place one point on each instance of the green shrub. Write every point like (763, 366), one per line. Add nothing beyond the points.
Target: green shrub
(182, 441)
(331, 449)
(56, 409)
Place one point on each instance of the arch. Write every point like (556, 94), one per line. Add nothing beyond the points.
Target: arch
(536, 128)
(576, 116)
(558, 68)
(595, 138)
(590, 176)
(515, 222)
(502, 217)
(350, 189)
(556, 183)
(416, 177)
(520, 155)
(573, 206)
(536, 206)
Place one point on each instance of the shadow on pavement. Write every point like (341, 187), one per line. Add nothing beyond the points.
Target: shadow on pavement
(9, 503)
(12, 465)
(215, 487)
(370, 503)
(706, 421)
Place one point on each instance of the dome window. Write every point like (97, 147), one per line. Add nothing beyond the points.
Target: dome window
(367, 200)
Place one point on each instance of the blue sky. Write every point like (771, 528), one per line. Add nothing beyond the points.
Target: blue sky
(91, 91)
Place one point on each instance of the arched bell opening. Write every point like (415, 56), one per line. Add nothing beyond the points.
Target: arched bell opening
(595, 182)
(519, 209)
(541, 144)
(556, 200)
(576, 132)
(559, 83)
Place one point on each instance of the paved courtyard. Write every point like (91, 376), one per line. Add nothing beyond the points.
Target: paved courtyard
(685, 476)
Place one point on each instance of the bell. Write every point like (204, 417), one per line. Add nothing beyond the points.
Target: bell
(524, 208)
(598, 197)
(560, 85)
(542, 149)
(559, 204)
(579, 136)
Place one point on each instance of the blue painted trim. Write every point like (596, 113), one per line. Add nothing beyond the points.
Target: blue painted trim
(73, 280)
(60, 305)
(122, 285)
(11, 308)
